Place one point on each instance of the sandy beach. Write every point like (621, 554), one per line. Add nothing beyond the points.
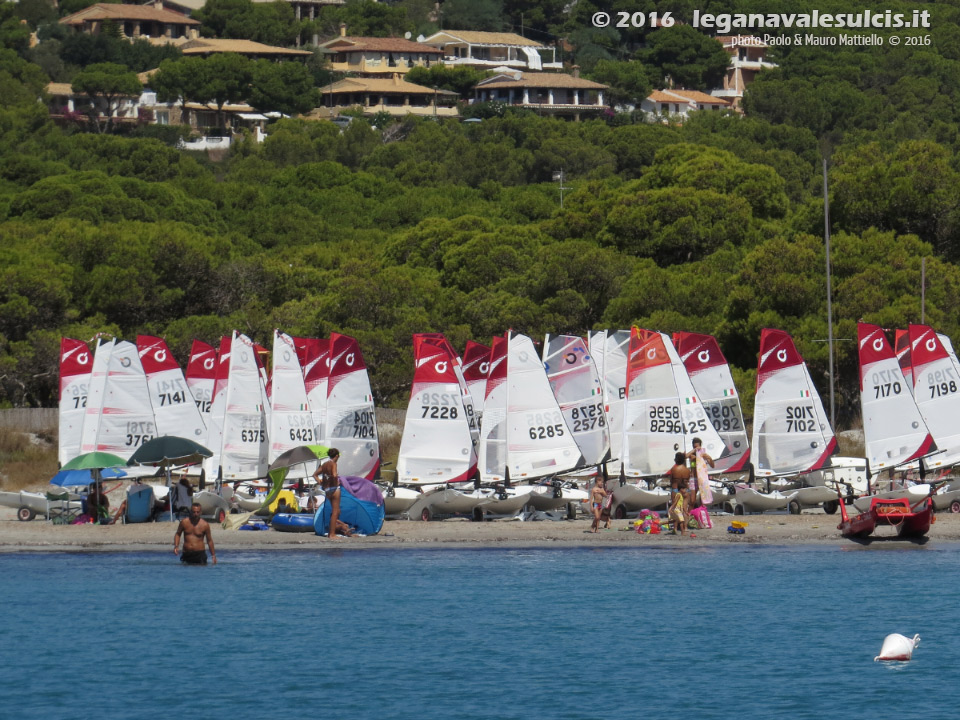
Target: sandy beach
(808, 528)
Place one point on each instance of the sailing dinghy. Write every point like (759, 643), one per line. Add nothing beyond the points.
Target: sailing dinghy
(576, 386)
(436, 448)
(791, 433)
(351, 419)
(894, 429)
(663, 414)
(523, 436)
(291, 422)
(76, 363)
(175, 409)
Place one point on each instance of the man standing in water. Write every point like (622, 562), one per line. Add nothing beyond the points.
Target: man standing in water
(194, 530)
(329, 481)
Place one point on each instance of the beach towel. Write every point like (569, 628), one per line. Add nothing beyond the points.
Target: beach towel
(703, 479)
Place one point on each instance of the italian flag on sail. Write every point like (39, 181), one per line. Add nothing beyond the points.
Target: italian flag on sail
(730, 393)
(804, 393)
(692, 400)
(368, 398)
(595, 391)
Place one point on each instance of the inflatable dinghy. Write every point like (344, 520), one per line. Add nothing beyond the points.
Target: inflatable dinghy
(289, 522)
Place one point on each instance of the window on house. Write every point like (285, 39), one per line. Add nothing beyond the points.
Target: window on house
(163, 117)
(390, 61)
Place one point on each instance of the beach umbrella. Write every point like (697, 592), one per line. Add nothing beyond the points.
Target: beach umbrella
(95, 461)
(72, 478)
(300, 454)
(277, 472)
(169, 451)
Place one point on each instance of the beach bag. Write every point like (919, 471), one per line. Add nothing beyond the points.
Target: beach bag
(702, 517)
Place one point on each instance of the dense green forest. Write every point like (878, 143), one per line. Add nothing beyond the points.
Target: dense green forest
(379, 232)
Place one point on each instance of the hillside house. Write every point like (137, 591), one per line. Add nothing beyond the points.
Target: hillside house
(678, 104)
(548, 93)
(133, 21)
(369, 56)
(489, 50)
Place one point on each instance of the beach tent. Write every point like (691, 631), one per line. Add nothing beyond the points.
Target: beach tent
(361, 507)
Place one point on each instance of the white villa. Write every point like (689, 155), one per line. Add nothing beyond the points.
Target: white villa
(678, 104)
(489, 50)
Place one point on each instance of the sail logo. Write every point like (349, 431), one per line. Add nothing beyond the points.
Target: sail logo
(484, 368)
(125, 362)
(931, 344)
(208, 364)
(704, 356)
(83, 358)
(442, 367)
(349, 359)
(160, 356)
(652, 354)
(286, 356)
(782, 355)
(878, 344)
(522, 356)
(570, 358)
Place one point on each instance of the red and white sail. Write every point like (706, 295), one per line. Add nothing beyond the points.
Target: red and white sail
(713, 382)
(127, 419)
(476, 366)
(576, 386)
(893, 428)
(538, 442)
(936, 392)
(201, 375)
(291, 422)
(245, 440)
(440, 340)
(791, 433)
(76, 364)
(437, 444)
(663, 412)
(901, 346)
(609, 350)
(218, 408)
(174, 408)
(95, 395)
(314, 355)
(492, 450)
(351, 416)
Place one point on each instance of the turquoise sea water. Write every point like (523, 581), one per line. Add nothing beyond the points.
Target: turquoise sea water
(748, 632)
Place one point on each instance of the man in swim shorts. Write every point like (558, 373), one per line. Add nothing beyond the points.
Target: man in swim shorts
(194, 530)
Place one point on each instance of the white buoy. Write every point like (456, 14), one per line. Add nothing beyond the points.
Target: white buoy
(897, 647)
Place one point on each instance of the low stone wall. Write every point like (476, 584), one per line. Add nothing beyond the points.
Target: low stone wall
(389, 420)
(30, 419)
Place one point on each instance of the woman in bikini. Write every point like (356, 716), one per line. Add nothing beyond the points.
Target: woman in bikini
(326, 475)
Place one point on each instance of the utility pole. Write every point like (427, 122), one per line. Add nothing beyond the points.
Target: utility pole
(559, 177)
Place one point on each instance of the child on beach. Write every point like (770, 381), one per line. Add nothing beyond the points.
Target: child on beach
(678, 511)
